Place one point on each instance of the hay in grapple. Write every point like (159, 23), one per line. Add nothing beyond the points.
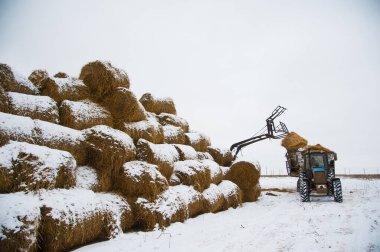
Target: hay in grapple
(215, 171)
(87, 178)
(61, 89)
(193, 173)
(293, 142)
(17, 128)
(140, 179)
(158, 105)
(213, 199)
(174, 120)
(37, 76)
(198, 141)
(83, 114)
(232, 194)
(14, 82)
(186, 152)
(148, 129)
(223, 157)
(173, 135)
(101, 77)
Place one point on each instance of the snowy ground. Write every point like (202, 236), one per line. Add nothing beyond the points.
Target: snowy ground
(274, 223)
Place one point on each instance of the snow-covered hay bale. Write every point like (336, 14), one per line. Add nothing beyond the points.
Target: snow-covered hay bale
(140, 179)
(174, 120)
(148, 129)
(4, 101)
(173, 135)
(193, 173)
(34, 167)
(246, 175)
(198, 141)
(87, 178)
(37, 76)
(64, 89)
(124, 106)
(83, 114)
(158, 105)
(162, 155)
(109, 150)
(215, 171)
(17, 128)
(33, 106)
(75, 217)
(14, 82)
(232, 194)
(19, 222)
(186, 152)
(101, 77)
(223, 157)
(318, 147)
(213, 199)
(62, 138)
(61, 75)
(192, 198)
(204, 156)
(293, 142)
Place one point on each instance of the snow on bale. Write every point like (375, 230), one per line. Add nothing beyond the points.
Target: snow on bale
(148, 129)
(246, 175)
(215, 171)
(173, 135)
(318, 147)
(32, 167)
(213, 199)
(83, 114)
(37, 76)
(186, 152)
(198, 141)
(174, 120)
(124, 106)
(17, 128)
(162, 155)
(232, 194)
(192, 199)
(19, 222)
(87, 178)
(223, 157)
(193, 173)
(61, 75)
(204, 156)
(158, 105)
(293, 142)
(14, 82)
(101, 77)
(76, 217)
(64, 89)
(109, 150)
(33, 106)
(140, 179)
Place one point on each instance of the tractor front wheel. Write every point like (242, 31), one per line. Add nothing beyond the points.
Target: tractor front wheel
(304, 190)
(337, 187)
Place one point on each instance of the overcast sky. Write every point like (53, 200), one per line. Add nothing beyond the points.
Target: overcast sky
(226, 64)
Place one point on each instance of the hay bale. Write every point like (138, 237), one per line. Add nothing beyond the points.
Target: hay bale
(232, 194)
(192, 199)
(204, 156)
(213, 199)
(148, 129)
(17, 128)
(198, 141)
(162, 155)
(293, 142)
(186, 152)
(37, 76)
(64, 89)
(76, 217)
(34, 167)
(158, 105)
(124, 106)
(19, 222)
(253, 194)
(215, 171)
(174, 120)
(109, 150)
(173, 135)
(83, 114)
(318, 147)
(33, 106)
(101, 77)
(246, 175)
(87, 178)
(61, 75)
(193, 173)
(4, 101)
(223, 157)
(14, 82)
(140, 179)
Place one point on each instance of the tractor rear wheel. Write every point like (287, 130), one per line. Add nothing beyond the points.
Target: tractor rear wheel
(304, 190)
(337, 187)
(298, 185)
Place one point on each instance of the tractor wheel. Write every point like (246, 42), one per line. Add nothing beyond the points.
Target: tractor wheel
(298, 185)
(337, 187)
(330, 191)
(304, 190)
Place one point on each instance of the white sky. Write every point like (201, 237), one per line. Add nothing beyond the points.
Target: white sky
(226, 64)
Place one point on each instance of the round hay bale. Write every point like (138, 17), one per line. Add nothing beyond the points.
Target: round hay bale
(61, 75)
(192, 199)
(174, 120)
(253, 194)
(4, 102)
(101, 77)
(186, 152)
(215, 171)
(140, 179)
(37, 76)
(246, 175)
(149, 130)
(213, 199)
(33, 106)
(232, 194)
(293, 142)
(193, 173)
(318, 147)
(173, 135)
(109, 150)
(83, 114)
(64, 89)
(162, 155)
(198, 141)
(87, 178)
(14, 82)
(158, 105)
(16, 128)
(124, 106)
(223, 157)
(204, 156)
